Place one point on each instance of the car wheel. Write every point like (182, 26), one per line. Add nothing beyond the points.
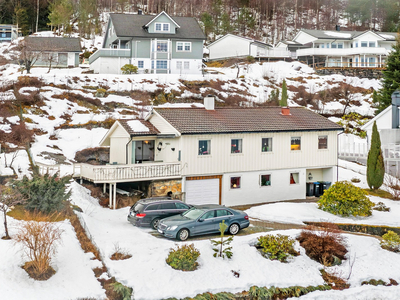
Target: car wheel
(182, 235)
(154, 223)
(234, 229)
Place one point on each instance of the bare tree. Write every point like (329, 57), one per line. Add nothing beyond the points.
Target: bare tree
(28, 57)
(8, 199)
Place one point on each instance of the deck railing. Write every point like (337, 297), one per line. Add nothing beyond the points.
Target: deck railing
(126, 173)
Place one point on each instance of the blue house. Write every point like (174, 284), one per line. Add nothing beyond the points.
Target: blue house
(155, 44)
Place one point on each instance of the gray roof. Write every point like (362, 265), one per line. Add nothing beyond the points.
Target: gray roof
(53, 44)
(129, 25)
(152, 129)
(239, 120)
(346, 35)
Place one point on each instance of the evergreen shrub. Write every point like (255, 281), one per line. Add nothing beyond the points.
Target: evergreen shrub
(45, 193)
(277, 247)
(391, 241)
(183, 258)
(129, 69)
(345, 199)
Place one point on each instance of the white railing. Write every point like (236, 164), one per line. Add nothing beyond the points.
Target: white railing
(124, 173)
(343, 51)
(48, 169)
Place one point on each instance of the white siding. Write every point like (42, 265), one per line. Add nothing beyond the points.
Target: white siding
(163, 126)
(109, 65)
(118, 149)
(229, 46)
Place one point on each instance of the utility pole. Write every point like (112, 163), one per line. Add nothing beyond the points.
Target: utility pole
(37, 15)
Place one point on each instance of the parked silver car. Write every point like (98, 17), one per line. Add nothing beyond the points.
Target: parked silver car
(203, 219)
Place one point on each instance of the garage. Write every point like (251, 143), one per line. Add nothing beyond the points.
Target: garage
(203, 190)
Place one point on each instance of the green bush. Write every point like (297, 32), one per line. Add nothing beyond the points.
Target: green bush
(278, 247)
(44, 193)
(391, 241)
(183, 258)
(129, 69)
(345, 199)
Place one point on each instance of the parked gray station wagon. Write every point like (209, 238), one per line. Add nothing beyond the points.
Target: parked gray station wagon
(203, 219)
(149, 212)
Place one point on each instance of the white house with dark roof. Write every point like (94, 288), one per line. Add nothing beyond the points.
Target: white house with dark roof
(159, 44)
(336, 48)
(229, 156)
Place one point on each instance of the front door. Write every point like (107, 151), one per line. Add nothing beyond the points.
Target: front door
(142, 151)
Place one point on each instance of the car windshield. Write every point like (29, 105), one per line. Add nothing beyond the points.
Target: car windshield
(193, 213)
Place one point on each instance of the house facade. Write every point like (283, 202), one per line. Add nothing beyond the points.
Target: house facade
(234, 46)
(355, 49)
(60, 52)
(8, 32)
(229, 156)
(155, 44)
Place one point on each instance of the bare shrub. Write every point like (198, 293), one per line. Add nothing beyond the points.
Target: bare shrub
(119, 253)
(39, 239)
(334, 280)
(323, 244)
(24, 81)
(8, 199)
(96, 155)
(393, 184)
(20, 135)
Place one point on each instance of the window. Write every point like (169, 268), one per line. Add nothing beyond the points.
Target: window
(186, 65)
(184, 46)
(371, 44)
(223, 213)
(168, 205)
(162, 27)
(181, 206)
(140, 64)
(161, 64)
(294, 178)
(334, 45)
(236, 146)
(208, 215)
(152, 207)
(364, 44)
(327, 45)
(323, 142)
(295, 143)
(265, 180)
(204, 147)
(356, 44)
(235, 182)
(266, 145)
(179, 65)
(162, 46)
(340, 45)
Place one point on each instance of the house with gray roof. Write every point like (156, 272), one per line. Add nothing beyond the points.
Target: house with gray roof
(60, 52)
(230, 156)
(159, 44)
(336, 48)
(8, 32)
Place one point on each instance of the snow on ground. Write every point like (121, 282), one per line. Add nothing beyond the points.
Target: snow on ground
(73, 279)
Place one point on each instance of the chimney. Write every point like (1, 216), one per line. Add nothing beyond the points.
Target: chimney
(337, 27)
(139, 12)
(285, 111)
(395, 109)
(209, 102)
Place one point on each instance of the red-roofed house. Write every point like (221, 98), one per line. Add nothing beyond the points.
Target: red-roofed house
(229, 156)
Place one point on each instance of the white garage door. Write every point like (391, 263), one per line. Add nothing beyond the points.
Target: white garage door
(205, 191)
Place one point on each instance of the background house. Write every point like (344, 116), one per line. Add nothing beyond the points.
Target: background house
(8, 32)
(155, 44)
(59, 52)
(345, 48)
(230, 156)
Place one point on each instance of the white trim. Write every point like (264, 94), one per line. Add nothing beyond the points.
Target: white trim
(380, 115)
(162, 27)
(163, 12)
(183, 46)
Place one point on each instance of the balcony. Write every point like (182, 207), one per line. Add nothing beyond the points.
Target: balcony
(127, 173)
(342, 52)
(109, 53)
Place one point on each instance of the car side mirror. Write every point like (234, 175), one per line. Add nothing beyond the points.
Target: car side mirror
(201, 220)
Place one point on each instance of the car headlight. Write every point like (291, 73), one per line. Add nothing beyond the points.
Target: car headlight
(172, 227)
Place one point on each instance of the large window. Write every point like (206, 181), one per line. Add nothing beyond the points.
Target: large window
(265, 180)
(235, 182)
(162, 64)
(364, 44)
(323, 142)
(295, 143)
(162, 27)
(266, 145)
(371, 44)
(236, 146)
(294, 178)
(162, 46)
(183, 46)
(140, 64)
(204, 147)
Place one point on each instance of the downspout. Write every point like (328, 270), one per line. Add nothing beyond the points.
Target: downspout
(126, 149)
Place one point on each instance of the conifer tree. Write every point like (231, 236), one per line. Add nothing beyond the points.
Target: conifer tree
(391, 77)
(284, 96)
(375, 164)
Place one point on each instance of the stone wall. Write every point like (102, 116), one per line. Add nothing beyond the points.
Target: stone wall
(162, 187)
(358, 72)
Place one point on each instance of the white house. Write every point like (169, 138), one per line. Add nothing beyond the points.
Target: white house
(345, 48)
(229, 156)
(159, 44)
(234, 46)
